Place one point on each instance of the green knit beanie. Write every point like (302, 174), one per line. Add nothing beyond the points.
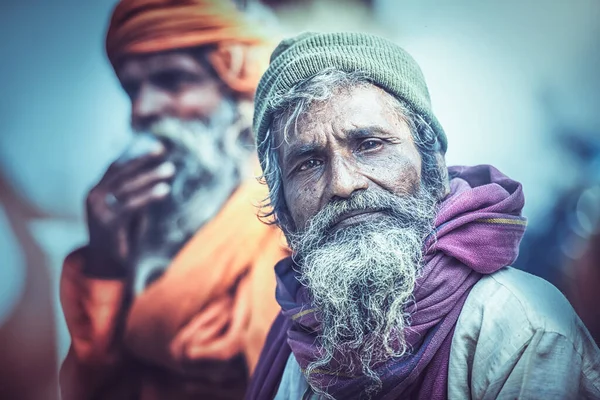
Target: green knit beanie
(386, 64)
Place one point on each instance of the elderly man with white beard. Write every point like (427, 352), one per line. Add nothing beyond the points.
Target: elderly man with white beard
(172, 296)
(399, 285)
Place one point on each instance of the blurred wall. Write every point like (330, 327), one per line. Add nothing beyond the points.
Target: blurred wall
(62, 119)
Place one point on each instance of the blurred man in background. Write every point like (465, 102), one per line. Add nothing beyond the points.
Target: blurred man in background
(173, 295)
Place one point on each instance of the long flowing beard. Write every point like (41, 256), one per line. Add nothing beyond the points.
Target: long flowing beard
(209, 158)
(362, 277)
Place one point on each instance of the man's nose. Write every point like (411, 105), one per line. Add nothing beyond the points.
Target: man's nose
(346, 179)
(150, 105)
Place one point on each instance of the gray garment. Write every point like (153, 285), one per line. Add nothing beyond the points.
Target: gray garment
(516, 337)
(293, 384)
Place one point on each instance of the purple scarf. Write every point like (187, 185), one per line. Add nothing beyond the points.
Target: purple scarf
(478, 229)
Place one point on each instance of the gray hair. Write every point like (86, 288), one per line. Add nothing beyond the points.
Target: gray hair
(288, 107)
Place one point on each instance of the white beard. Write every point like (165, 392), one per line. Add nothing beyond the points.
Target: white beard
(210, 159)
(361, 278)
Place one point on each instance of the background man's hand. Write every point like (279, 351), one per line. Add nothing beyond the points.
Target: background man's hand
(127, 187)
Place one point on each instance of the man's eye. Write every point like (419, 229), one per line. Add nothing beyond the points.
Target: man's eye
(308, 164)
(369, 144)
(172, 80)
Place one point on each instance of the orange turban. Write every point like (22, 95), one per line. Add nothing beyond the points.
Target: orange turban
(147, 26)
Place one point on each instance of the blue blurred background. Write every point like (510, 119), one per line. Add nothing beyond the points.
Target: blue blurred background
(507, 80)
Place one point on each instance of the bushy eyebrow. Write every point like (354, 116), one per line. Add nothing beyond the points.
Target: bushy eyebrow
(302, 150)
(368, 131)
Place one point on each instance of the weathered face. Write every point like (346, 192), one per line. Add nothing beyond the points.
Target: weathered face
(178, 100)
(356, 141)
(169, 84)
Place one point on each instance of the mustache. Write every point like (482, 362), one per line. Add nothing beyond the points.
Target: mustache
(194, 146)
(183, 136)
(404, 210)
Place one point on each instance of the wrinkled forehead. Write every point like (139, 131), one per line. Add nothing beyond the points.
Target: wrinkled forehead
(141, 66)
(348, 108)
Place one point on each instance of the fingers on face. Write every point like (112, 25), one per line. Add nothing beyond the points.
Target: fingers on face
(123, 208)
(145, 180)
(121, 171)
(144, 197)
(133, 188)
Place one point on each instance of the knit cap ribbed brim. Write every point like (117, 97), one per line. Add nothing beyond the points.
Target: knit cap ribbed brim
(385, 63)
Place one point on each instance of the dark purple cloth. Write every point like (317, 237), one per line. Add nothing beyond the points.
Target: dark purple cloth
(478, 229)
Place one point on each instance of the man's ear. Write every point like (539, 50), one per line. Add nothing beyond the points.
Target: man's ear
(441, 162)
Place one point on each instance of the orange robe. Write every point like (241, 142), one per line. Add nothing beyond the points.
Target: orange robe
(197, 332)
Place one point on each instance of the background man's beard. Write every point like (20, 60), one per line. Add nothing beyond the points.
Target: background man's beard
(209, 158)
(361, 277)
